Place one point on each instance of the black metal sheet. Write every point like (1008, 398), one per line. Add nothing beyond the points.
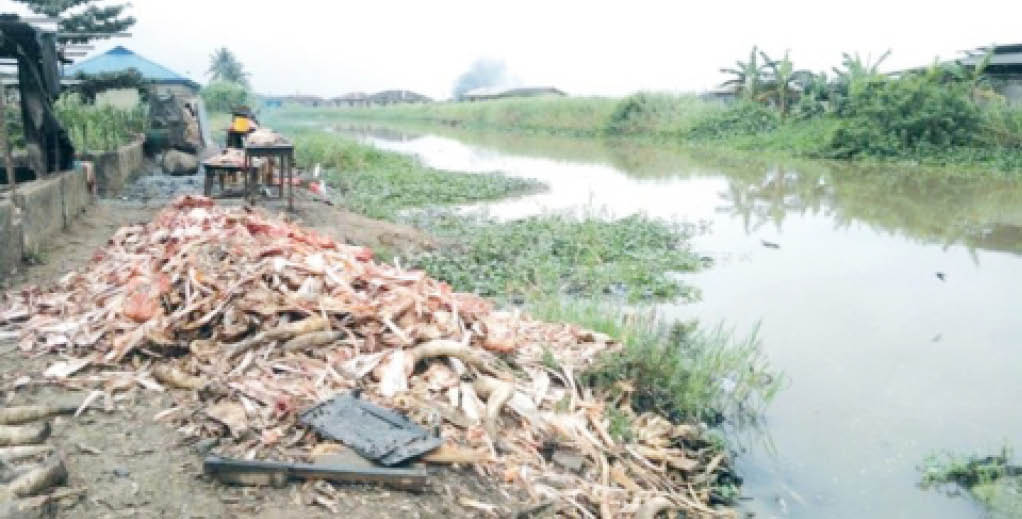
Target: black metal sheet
(374, 432)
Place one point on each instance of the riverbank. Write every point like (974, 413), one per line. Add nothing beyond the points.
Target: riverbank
(577, 268)
(996, 149)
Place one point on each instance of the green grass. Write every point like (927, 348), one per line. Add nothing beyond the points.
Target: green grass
(587, 254)
(992, 480)
(687, 119)
(380, 184)
(683, 372)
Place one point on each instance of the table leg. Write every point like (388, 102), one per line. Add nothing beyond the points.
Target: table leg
(290, 185)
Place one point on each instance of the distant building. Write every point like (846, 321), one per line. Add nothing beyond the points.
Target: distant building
(304, 100)
(351, 99)
(390, 97)
(1004, 70)
(118, 59)
(727, 93)
(484, 93)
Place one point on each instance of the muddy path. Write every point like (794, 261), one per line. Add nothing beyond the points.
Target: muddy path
(134, 466)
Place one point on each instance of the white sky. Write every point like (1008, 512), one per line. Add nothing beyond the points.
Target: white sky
(331, 47)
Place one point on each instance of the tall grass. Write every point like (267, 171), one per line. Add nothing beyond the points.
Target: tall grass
(677, 369)
(918, 119)
(100, 128)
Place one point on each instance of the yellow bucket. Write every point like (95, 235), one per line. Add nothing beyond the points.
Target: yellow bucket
(240, 124)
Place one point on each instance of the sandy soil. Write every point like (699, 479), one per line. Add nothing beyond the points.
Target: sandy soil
(132, 466)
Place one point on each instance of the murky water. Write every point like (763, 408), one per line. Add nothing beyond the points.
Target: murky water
(886, 362)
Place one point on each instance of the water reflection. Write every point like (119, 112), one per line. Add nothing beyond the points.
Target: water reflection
(912, 202)
(886, 362)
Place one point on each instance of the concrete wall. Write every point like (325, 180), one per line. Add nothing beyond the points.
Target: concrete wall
(114, 169)
(10, 241)
(42, 210)
(48, 206)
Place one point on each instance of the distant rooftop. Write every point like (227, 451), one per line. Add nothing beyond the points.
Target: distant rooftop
(120, 58)
(521, 91)
(1006, 58)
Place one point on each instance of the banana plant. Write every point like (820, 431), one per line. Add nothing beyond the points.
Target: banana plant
(855, 68)
(781, 79)
(748, 75)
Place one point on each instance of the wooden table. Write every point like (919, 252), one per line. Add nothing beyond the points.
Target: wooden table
(286, 154)
(219, 172)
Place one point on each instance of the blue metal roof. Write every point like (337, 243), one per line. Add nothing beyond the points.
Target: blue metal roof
(120, 58)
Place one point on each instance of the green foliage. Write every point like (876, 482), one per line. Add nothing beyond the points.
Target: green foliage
(620, 426)
(100, 128)
(586, 254)
(380, 184)
(748, 75)
(782, 82)
(107, 19)
(224, 66)
(915, 113)
(13, 122)
(676, 369)
(92, 84)
(224, 96)
(742, 118)
(940, 469)
(651, 113)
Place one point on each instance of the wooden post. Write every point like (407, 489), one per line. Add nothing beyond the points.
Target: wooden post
(8, 161)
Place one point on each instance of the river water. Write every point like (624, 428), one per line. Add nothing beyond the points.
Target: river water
(885, 362)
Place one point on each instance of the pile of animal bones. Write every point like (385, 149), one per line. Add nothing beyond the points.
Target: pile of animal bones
(252, 319)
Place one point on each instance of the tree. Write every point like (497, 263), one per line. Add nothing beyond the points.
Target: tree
(107, 20)
(482, 73)
(224, 96)
(781, 79)
(748, 75)
(223, 66)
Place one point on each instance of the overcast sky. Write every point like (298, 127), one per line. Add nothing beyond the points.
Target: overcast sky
(330, 47)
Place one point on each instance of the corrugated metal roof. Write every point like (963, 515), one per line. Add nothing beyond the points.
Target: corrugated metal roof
(120, 58)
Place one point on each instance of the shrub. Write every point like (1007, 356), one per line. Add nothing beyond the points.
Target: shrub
(743, 118)
(223, 96)
(659, 113)
(917, 112)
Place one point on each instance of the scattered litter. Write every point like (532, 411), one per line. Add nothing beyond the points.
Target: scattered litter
(31, 413)
(20, 452)
(269, 473)
(24, 434)
(223, 302)
(41, 477)
(265, 137)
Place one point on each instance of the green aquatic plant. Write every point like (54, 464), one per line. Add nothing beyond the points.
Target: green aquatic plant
(678, 369)
(381, 184)
(582, 254)
(992, 480)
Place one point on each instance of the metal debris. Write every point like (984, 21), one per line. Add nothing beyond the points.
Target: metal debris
(374, 432)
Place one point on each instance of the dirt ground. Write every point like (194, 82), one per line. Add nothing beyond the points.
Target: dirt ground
(133, 466)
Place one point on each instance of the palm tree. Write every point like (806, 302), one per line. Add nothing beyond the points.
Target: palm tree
(780, 80)
(223, 66)
(748, 75)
